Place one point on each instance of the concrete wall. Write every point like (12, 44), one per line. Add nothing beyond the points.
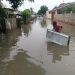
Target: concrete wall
(67, 18)
(11, 23)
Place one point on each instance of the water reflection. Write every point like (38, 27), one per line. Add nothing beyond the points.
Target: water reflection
(25, 52)
(70, 30)
(6, 42)
(35, 19)
(43, 23)
(9, 39)
(26, 29)
(57, 51)
(22, 66)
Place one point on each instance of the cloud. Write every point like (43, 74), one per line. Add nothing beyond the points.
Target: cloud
(38, 3)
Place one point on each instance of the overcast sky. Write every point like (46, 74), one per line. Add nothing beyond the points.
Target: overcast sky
(36, 5)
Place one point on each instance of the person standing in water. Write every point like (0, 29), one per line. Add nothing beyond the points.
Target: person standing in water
(56, 27)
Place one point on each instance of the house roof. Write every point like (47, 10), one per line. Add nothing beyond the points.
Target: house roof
(12, 11)
(62, 5)
(9, 9)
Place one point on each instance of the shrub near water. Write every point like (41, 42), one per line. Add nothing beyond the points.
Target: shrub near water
(26, 15)
(2, 12)
(2, 19)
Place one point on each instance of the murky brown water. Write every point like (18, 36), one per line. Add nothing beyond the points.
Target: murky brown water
(26, 52)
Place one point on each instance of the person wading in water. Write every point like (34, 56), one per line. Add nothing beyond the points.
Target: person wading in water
(56, 27)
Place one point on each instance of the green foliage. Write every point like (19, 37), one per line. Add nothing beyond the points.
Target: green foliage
(73, 8)
(68, 9)
(39, 12)
(42, 10)
(26, 15)
(16, 3)
(31, 0)
(2, 18)
(2, 12)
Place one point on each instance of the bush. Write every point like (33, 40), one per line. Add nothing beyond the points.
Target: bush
(42, 10)
(2, 19)
(2, 12)
(26, 15)
(67, 9)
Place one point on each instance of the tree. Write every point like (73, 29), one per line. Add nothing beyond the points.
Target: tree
(73, 8)
(0, 2)
(26, 15)
(39, 12)
(3, 15)
(43, 10)
(2, 12)
(16, 3)
(68, 9)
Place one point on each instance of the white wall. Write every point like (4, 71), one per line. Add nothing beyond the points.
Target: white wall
(48, 15)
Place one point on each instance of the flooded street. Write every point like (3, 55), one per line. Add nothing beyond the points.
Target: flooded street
(26, 51)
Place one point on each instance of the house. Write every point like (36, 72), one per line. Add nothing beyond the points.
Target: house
(48, 14)
(11, 20)
(61, 7)
(65, 12)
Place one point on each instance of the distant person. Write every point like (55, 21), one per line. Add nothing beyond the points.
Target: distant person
(56, 27)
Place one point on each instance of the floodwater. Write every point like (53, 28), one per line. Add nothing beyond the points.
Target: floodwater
(25, 51)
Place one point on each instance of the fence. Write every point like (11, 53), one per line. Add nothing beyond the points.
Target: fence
(11, 23)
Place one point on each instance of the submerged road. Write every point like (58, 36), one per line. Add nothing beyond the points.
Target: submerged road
(25, 51)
